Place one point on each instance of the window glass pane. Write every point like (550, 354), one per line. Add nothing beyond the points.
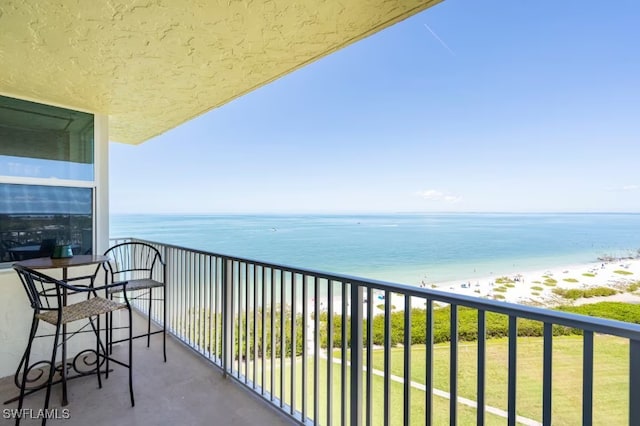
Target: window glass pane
(34, 218)
(44, 141)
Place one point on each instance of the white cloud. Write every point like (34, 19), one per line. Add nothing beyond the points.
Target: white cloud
(631, 187)
(435, 195)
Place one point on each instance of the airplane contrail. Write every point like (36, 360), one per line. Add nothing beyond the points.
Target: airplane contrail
(439, 39)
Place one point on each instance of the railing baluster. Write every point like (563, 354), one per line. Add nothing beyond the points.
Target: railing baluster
(183, 296)
(204, 280)
(190, 297)
(282, 336)
(264, 328)
(587, 379)
(178, 284)
(191, 278)
(181, 289)
(343, 357)
(203, 305)
(316, 350)
(482, 335)
(513, 370)
(201, 334)
(220, 283)
(387, 358)
(170, 291)
(407, 360)
(212, 308)
(196, 300)
(235, 316)
(369, 355)
(294, 285)
(247, 307)
(428, 411)
(239, 320)
(330, 353)
(547, 377)
(190, 290)
(634, 382)
(273, 333)
(453, 366)
(304, 346)
(227, 313)
(356, 355)
(255, 323)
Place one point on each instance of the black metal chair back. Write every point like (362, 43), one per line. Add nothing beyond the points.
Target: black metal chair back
(133, 260)
(45, 293)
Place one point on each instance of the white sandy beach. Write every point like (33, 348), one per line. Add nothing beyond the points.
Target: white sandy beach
(531, 287)
(527, 287)
(536, 287)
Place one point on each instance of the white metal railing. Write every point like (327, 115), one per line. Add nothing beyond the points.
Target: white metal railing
(304, 341)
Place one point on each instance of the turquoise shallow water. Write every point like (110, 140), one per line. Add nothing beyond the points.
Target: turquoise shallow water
(406, 248)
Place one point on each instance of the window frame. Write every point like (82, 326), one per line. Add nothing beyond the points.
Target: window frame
(69, 183)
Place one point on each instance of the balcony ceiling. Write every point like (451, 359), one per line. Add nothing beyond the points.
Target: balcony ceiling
(151, 65)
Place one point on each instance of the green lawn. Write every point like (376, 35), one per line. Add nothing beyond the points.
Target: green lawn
(610, 382)
(610, 376)
(466, 415)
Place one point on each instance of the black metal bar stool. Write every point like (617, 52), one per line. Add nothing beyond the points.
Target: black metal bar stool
(142, 267)
(47, 297)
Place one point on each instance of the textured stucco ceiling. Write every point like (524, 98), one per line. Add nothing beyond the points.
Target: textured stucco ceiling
(154, 64)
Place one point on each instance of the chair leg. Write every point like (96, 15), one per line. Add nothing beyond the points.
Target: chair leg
(52, 371)
(108, 337)
(149, 317)
(110, 331)
(133, 404)
(65, 371)
(164, 323)
(97, 331)
(25, 358)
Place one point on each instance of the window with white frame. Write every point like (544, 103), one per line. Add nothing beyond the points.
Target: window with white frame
(46, 179)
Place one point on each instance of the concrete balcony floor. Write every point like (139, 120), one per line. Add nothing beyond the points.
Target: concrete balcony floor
(186, 390)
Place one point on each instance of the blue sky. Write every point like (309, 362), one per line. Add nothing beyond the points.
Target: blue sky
(507, 106)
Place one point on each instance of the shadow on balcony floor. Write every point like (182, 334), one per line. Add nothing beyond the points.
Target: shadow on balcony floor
(187, 390)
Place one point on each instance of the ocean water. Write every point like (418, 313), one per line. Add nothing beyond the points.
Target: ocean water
(404, 248)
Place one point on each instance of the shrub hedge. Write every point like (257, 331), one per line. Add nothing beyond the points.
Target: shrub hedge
(497, 325)
(577, 293)
(626, 312)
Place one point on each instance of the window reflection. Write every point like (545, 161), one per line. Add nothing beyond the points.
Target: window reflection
(35, 218)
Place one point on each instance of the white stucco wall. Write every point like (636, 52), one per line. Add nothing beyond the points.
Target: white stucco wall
(15, 322)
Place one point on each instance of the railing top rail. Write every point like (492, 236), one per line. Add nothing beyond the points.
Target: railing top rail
(595, 324)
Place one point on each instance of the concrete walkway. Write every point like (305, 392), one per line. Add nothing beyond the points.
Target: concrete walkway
(187, 390)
